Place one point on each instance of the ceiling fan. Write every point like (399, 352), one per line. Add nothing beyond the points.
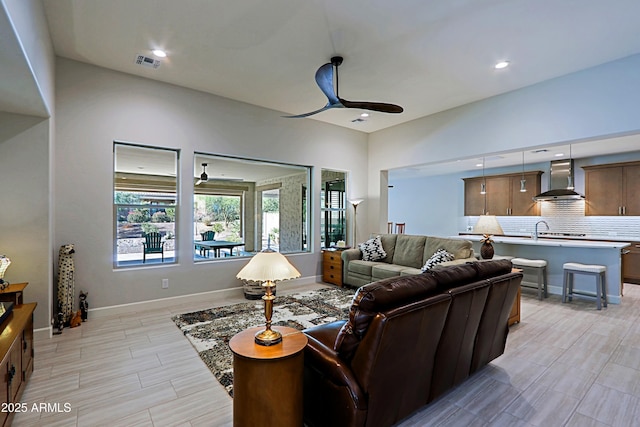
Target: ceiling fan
(203, 176)
(324, 79)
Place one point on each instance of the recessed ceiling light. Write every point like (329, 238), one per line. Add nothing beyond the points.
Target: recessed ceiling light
(500, 65)
(364, 115)
(478, 165)
(159, 53)
(559, 154)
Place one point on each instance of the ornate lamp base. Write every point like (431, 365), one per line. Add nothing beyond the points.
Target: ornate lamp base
(486, 251)
(268, 337)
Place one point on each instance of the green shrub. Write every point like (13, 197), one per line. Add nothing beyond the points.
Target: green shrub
(160, 216)
(148, 228)
(138, 215)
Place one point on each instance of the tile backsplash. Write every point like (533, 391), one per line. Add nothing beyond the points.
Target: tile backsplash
(567, 216)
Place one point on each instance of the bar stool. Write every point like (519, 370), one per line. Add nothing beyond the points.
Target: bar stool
(573, 268)
(400, 227)
(389, 227)
(540, 268)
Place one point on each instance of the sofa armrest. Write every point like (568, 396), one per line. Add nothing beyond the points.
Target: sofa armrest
(326, 362)
(349, 255)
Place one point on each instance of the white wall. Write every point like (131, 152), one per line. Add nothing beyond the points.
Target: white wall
(24, 215)
(432, 206)
(592, 103)
(26, 229)
(96, 106)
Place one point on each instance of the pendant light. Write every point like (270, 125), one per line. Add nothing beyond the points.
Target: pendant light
(483, 184)
(570, 185)
(523, 182)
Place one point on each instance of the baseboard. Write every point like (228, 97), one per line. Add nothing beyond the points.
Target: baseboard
(133, 307)
(43, 333)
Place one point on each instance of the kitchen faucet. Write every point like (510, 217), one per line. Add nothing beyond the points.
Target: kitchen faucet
(535, 234)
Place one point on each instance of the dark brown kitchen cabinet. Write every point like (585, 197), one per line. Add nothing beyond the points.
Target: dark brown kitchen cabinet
(503, 196)
(612, 190)
(631, 264)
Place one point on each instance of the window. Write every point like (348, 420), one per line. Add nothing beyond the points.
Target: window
(334, 213)
(242, 206)
(145, 195)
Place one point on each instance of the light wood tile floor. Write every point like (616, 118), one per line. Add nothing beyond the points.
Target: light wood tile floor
(565, 365)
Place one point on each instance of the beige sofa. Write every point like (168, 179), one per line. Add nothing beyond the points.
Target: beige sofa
(406, 254)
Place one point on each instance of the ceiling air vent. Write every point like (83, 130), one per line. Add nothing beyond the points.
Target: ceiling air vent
(146, 61)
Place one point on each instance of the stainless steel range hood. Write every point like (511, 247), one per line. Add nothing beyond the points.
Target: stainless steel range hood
(560, 183)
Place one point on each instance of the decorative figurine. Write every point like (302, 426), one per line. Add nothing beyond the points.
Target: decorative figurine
(59, 323)
(76, 320)
(66, 282)
(84, 305)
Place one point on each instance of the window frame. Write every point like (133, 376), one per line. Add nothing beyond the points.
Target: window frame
(153, 186)
(250, 226)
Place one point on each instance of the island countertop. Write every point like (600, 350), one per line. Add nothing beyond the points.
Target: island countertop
(548, 241)
(557, 251)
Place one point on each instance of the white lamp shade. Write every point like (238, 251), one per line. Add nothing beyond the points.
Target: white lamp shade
(356, 202)
(487, 224)
(268, 265)
(4, 264)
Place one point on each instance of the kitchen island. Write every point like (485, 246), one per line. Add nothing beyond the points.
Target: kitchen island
(557, 251)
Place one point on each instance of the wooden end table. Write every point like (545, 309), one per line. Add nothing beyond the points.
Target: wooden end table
(267, 380)
(13, 293)
(332, 267)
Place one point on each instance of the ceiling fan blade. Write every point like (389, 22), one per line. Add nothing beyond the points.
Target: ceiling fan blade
(373, 106)
(324, 79)
(311, 113)
(198, 182)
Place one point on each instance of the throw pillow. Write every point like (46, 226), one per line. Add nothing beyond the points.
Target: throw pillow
(372, 250)
(438, 257)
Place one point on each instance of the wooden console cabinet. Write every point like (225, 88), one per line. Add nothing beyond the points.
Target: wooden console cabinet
(16, 350)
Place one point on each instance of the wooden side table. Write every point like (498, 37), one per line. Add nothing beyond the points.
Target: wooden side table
(267, 380)
(13, 293)
(332, 267)
(514, 316)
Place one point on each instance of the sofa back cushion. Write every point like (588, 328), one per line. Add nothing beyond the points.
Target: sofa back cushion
(459, 248)
(409, 250)
(375, 297)
(394, 362)
(457, 275)
(389, 245)
(493, 329)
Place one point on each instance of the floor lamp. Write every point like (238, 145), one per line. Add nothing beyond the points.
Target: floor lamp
(355, 203)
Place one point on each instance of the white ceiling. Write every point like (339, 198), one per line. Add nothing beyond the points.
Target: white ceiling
(426, 55)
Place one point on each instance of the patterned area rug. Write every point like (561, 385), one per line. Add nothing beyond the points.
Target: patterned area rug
(209, 331)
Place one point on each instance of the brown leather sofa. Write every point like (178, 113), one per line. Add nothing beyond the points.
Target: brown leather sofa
(407, 341)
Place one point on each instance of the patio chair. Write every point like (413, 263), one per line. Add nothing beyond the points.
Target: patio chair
(153, 244)
(206, 236)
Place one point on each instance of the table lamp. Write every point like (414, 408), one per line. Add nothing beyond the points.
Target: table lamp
(5, 262)
(268, 267)
(487, 225)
